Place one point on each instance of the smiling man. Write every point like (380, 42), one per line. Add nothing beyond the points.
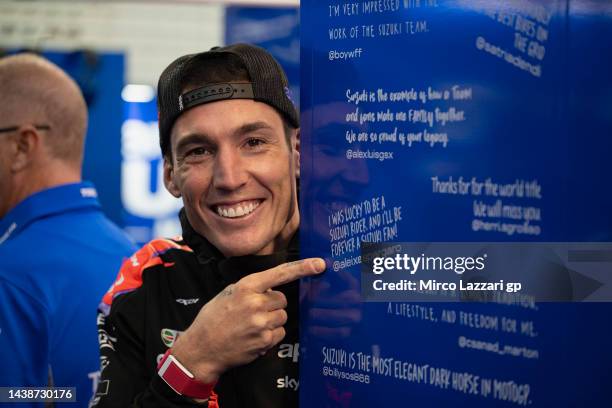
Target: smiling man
(236, 175)
(211, 317)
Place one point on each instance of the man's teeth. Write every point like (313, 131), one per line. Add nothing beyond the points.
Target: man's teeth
(239, 210)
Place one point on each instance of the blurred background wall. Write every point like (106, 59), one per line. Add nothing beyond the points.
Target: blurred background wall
(116, 51)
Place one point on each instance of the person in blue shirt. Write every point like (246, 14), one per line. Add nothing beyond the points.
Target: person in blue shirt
(58, 252)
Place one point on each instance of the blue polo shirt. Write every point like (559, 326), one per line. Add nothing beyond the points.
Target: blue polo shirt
(59, 254)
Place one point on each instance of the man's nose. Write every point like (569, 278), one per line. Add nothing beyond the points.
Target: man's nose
(229, 172)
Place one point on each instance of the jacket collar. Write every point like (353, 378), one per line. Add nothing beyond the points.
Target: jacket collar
(205, 251)
(234, 268)
(46, 203)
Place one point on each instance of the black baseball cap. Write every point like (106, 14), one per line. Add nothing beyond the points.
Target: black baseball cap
(267, 83)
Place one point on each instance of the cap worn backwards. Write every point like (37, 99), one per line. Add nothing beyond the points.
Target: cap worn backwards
(267, 83)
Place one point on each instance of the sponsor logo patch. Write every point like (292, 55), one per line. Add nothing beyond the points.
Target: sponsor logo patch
(169, 336)
(187, 302)
(290, 383)
(291, 351)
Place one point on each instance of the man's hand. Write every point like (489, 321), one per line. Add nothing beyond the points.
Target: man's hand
(242, 322)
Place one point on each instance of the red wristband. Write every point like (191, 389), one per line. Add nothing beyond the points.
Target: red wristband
(181, 380)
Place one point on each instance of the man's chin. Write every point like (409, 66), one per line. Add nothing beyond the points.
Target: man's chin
(238, 248)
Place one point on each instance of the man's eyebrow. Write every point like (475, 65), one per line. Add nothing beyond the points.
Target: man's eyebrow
(251, 127)
(192, 138)
(202, 138)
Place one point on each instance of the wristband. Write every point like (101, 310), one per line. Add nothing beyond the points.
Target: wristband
(181, 380)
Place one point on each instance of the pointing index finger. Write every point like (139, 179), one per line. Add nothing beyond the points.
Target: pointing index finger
(285, 273)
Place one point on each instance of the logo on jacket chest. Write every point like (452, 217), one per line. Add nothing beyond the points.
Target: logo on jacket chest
(289, 350)
(169, 336)
(187, 302)
(288, 382)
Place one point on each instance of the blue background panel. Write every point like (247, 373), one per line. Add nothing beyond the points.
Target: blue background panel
(536, 112)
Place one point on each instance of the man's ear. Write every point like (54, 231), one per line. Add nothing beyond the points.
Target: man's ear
(25, 148)
(169, 177)
(295, 144)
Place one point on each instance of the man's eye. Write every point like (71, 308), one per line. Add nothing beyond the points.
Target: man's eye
(198, 151)
(254, 142)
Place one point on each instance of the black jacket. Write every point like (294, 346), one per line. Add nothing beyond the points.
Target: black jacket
(157, 295)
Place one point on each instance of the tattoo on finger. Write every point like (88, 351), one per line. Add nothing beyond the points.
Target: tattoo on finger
(228, 291)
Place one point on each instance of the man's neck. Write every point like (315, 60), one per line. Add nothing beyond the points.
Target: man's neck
(34, 180)
(281, 242)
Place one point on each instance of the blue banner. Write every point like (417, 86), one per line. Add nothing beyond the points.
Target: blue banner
(275, 29)
(149, 210)
(453, 121)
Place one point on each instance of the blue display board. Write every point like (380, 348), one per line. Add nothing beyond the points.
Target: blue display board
(149, 210)
(441, 121)
(274, 28)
